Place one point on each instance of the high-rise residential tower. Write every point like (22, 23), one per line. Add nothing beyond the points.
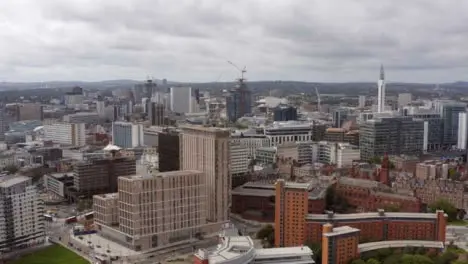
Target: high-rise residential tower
(381, 91)
(21, 213)
(206, 149)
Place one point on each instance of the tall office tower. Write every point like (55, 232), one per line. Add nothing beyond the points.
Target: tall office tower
(156, 114)
(169, 150)
(75, 97)
(284, 113)
(100, 107)
(143, 90)
(99, 175)
(71, 134)
(339, 117)
(291, 201)
(127, 134)
(404, 99)
(21, 213)
(239, 101)
(207, 149)
(462, 130)
(449, 111)
(433, 128)
(4, 123)
(181, 99)
(391, 135)
(381, 91)
(154, 210)
(362, 101)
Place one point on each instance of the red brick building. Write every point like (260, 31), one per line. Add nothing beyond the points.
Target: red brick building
(381, 226)
(367, 195)
(256, 201)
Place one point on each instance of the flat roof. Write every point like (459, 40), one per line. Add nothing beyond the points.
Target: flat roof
(400, 244)
(342, 230)
(371, 215)
(163, 174)
(9, 181)
(282, 252)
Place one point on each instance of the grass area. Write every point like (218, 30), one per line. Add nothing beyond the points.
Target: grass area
(458, 223)
(55, 254)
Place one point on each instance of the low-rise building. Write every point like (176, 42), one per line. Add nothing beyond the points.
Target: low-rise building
(235, 249)
(21, 213)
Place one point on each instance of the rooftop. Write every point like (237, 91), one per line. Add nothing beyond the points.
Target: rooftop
(370, 216)
(9, 181)
(342, 230)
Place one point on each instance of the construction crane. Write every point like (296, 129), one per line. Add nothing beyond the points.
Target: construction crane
(242, 71)
(318, 100)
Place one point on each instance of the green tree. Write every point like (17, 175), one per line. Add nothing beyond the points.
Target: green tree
(392, 208)
(330, 198)
(358, 261)
(12, 169)
(372, 261)
(267, 235)
(447, 207)
(317, 250)
(375, 160)
(415, 259)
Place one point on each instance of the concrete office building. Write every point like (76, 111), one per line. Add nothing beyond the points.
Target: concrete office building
(29, 111)
(404, 99)
(207, 149)
(250, 141)
(289, 131)
(433, 128)
(181, 99)
(21, 213)
(239, 160)
(83, 117)
(71, 134)
(449, 112)
(284, 113)
(127, 135)
(462, 130)
(96, 176)
(101, 107)
(392, 135)
(156, 114)
(154, 210)
(5, 120)
(362, 101)
(339, 116)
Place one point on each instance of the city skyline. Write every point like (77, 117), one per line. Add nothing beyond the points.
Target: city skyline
(191, 41)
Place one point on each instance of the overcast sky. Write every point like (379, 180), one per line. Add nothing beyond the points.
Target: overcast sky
(189, 40)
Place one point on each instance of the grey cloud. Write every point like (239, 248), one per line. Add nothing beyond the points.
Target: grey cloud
(190, 40)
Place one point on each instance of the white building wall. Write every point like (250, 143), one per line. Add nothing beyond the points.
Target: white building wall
(239, 159)
(346, 156)
(73, 134)
(181, 99)
(24, 213)
(462, 130)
